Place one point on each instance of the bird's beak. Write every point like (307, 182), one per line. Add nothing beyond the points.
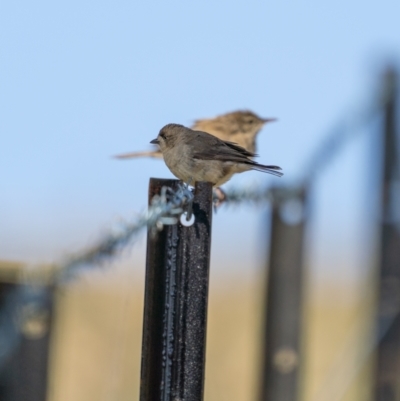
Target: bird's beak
(269, 120)
(154, 141)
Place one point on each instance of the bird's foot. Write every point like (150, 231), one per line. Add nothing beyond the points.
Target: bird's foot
(219, 197)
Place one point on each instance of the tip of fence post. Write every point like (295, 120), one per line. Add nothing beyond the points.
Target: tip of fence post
(155, 185)
(389, 83)
(390, 72)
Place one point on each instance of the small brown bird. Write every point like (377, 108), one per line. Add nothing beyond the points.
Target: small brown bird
(198, 156)
(240, 127)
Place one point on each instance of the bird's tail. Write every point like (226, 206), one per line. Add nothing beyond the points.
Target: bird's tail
(274, 170)
(151, 153)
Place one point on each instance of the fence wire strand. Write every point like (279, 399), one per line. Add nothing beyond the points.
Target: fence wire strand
(170, 205)
(167, 209)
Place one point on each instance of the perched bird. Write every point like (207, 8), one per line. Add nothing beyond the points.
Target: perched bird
(240, 127)
(198, 156)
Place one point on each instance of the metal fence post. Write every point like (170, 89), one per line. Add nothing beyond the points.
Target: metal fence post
(281, 341)
(24, 341)
(175, 310)
(388, 360)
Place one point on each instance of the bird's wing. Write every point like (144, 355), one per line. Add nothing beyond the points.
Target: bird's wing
(208, 147)
(215, 149)
(242, 150)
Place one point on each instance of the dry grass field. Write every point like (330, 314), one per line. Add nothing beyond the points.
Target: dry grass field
(96, 343)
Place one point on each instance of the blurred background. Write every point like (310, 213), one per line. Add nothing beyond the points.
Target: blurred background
(83, 81)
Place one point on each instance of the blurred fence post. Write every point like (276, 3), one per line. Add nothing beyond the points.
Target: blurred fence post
(24, 341)
(175, 310)
(388, 359)
(281, 341)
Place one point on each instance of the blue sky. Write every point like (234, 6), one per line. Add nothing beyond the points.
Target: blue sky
(81, 81)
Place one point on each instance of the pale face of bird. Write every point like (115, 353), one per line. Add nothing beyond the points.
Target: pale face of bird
(167, 137)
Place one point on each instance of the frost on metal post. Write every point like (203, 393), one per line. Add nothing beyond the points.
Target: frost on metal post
(176, 294)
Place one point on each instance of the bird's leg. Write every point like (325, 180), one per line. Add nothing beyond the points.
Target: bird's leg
(219, 198)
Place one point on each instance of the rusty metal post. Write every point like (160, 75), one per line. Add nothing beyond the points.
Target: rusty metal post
(175, 310)
(25, 341)
(388, 359)
(281, 341)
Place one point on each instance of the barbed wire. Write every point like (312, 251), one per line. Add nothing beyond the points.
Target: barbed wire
(343, 132)
(166, 209)
(28, 303)
(260, 195)
(347, 129)
(337, 138)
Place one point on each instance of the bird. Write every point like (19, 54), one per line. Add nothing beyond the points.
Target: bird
(240, 127)
(194, 156)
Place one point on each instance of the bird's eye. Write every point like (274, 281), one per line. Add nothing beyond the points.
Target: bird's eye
(162, 135)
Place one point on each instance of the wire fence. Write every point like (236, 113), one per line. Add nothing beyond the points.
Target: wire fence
(168, 208)
(27, 310)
